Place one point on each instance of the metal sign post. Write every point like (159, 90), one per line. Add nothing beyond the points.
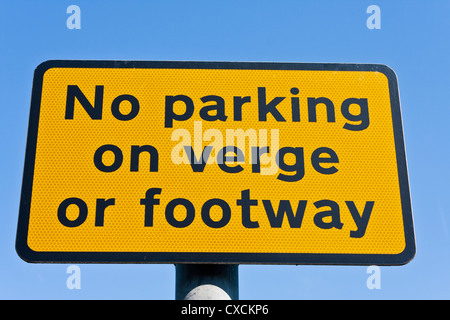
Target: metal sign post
(207, 282)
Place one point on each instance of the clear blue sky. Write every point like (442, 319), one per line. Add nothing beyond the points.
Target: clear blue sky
(413, 40)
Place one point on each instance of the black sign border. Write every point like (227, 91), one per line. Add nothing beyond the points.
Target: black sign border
(29, 255)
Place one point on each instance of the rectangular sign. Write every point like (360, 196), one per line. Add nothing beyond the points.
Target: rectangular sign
(215, 162)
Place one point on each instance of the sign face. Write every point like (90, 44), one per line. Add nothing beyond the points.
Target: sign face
(206, 162)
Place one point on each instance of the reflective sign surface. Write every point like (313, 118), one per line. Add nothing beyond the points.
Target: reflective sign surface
(169, 162)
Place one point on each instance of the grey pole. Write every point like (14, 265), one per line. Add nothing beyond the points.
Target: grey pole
(206, 282)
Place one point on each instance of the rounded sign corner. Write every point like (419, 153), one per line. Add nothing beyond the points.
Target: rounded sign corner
(45, 66)
(25, 252)
(408, 254)
(387, 71)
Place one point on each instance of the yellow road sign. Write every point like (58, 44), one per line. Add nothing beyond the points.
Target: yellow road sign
(172, 162)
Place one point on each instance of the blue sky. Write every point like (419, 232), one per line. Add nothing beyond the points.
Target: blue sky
(413, 41)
